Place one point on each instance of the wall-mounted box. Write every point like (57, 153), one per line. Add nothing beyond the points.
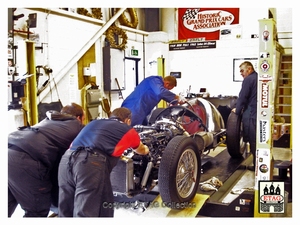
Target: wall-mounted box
(86, 71)
(176, 74)
(233, 31)
(93, 97)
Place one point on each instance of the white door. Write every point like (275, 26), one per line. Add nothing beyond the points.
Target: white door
(130, 77)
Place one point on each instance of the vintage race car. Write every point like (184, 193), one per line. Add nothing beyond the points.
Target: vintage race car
(178, 137)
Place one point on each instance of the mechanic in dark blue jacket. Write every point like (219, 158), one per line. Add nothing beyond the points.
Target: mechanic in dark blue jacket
(33, 158)
(147, 95)
(247, 104)
(84, 171)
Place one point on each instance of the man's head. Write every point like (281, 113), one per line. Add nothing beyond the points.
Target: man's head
(123, 114)
(170, 82)
(246, 68)
(74, 110)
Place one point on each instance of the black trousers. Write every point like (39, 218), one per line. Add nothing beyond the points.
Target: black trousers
(29, 185)
(84, 185)
(249, 132)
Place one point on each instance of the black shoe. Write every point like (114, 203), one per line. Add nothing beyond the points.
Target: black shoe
(252, 168)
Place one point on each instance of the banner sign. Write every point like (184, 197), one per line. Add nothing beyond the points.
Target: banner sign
(192, 45)
(205, 22)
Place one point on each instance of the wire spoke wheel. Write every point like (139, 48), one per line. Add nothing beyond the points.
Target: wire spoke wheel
(186, 174)
(179, 172)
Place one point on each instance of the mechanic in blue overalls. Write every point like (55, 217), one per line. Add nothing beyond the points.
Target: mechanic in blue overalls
(147, 95)
(247, 104)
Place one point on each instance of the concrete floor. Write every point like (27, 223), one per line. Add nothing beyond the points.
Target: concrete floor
(246, 182)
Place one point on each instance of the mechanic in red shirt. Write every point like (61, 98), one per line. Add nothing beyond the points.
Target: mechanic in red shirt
(84, 170)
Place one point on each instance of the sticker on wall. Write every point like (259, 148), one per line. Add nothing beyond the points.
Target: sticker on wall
(264, 55)
(265, 77)
(265, 66)
(263, 165)
(263, 168)
(263, 113)
(265, 89)
(264, 131)
(266, 35)
(72, 88)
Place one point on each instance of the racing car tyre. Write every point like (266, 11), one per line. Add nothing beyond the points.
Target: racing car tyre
(234, 138)
(179, 173)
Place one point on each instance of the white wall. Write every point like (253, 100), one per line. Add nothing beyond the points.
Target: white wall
(248, 20)
(62, 38)
(210, 68)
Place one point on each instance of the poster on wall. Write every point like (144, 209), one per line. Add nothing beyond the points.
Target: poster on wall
(236, 67)
(205, 23)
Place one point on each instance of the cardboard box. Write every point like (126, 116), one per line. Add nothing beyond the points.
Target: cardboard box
(285, 128)
(276, 131)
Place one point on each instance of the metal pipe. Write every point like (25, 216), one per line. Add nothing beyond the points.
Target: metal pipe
(145, 33)
(146, 174)
(68, 14)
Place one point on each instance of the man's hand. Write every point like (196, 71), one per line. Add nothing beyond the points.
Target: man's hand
(181, 100)
(146, 150)
(142, 149)
(233, 110)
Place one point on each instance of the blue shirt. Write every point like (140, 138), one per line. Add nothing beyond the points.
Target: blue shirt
(109, 136)
(145, 97)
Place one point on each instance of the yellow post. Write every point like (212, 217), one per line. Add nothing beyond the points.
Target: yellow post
(265, 107)
(161, 72)
(26, 62)
(31, 83)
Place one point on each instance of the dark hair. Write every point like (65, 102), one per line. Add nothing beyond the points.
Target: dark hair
(121, 113)
(73, 109)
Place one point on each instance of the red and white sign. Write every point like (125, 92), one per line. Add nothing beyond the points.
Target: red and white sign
(272, 198)
(265, 66)
(204, 22)
(264, 103)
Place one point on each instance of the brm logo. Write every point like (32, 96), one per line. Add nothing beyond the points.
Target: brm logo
(264, 95)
